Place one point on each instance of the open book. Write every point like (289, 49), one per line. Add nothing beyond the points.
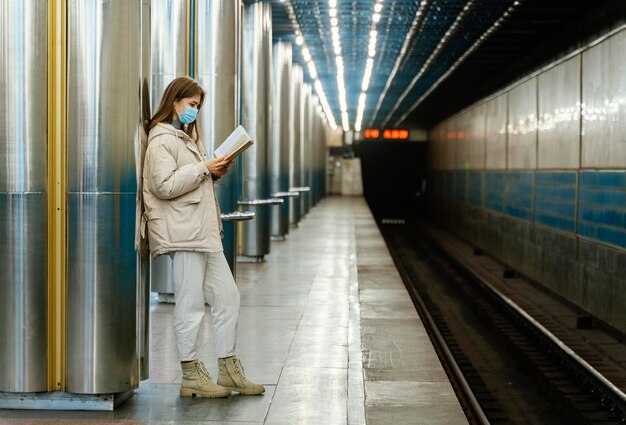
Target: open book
(238, 141)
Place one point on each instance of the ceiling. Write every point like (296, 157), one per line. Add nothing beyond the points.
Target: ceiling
(445, 65)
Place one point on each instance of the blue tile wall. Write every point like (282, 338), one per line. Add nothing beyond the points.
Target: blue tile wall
(494, 190)
(518, 194)
(547, 198)
(603, 179)
(475, 188)
(555, 199)
(602, 206)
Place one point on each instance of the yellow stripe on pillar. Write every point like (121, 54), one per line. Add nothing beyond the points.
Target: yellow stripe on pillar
(57, 146)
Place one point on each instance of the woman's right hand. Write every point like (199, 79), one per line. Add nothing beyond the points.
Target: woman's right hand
(217, 166)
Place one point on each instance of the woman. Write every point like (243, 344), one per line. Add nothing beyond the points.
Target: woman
(183, 219)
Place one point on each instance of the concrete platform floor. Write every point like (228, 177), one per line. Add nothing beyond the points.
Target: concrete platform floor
(326, 325)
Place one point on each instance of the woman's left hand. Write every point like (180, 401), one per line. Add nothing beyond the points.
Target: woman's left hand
(218, 166)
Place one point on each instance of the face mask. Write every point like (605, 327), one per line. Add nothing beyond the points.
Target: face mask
(188, 116)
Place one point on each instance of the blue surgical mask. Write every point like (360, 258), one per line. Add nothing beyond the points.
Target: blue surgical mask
(188, 116)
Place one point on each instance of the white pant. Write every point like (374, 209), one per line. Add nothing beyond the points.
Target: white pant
(198, 278)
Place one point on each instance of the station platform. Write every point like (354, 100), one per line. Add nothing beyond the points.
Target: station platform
(326, 325)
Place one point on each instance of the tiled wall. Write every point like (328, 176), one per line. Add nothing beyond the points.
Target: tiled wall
(546, 198)
(555, 200)
(544, 163)
(493, 196)
(602, 206)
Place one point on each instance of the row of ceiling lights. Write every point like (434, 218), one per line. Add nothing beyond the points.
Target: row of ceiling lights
(369, 64)
(378, 6)
(413, 32)
(306, 54)
(334, 29)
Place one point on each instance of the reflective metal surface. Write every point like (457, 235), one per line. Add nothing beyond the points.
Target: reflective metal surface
(295, 160)
(604, 95)
(238, 216)
(322, 161)
(23, 308)
(270, 201)
(495, 133)
(279, 147)
(476, 137)
(104, 89)
(285, 194)
(218, 49)
(558, 134)
(305, 143)
(23, 196)
(168, 39)
(168, 27)
(256, 104)
(522, 127)
(311, 148)
(143, 263)
(312, 151)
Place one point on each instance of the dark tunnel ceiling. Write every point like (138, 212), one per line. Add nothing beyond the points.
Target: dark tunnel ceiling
(532, 33)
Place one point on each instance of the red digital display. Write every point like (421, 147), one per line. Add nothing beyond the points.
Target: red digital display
(374, 133)
(395, 134)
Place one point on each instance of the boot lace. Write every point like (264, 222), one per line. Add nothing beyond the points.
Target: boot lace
(238, 367)
(203, 373)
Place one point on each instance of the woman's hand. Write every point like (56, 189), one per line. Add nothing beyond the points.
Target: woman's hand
(217, 166)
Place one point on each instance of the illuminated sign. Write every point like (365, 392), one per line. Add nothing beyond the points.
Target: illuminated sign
(396, 134)
(374, 133)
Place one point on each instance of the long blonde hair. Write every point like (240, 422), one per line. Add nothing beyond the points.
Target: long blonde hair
(179, 88)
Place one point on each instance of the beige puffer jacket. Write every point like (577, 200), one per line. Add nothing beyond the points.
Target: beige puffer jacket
(181, 210)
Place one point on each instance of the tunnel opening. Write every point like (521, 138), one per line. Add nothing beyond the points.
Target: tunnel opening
(394, 177)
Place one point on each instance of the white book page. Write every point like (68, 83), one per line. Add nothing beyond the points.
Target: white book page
(235, 143)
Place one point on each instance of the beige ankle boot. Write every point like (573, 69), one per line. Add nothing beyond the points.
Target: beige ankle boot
(197, 382)
(232, 377)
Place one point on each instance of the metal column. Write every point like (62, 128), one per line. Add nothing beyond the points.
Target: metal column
(104, 86)
(295, 160)
(278, 151)
(218, 48)
(23, 197)
(257, 113)
(169, 60)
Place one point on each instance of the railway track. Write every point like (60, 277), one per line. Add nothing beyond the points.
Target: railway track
(506, 366)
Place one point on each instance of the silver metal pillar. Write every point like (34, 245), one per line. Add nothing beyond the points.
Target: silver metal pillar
(323, 155)
(257, 107)
(104, 86)
(279, 147)
(143, 263)
(168, 46)
(23, 196)
(320, 149)
(295, 160)
(309, 151)
(218, 47)
(305, 132)
(313, 145)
